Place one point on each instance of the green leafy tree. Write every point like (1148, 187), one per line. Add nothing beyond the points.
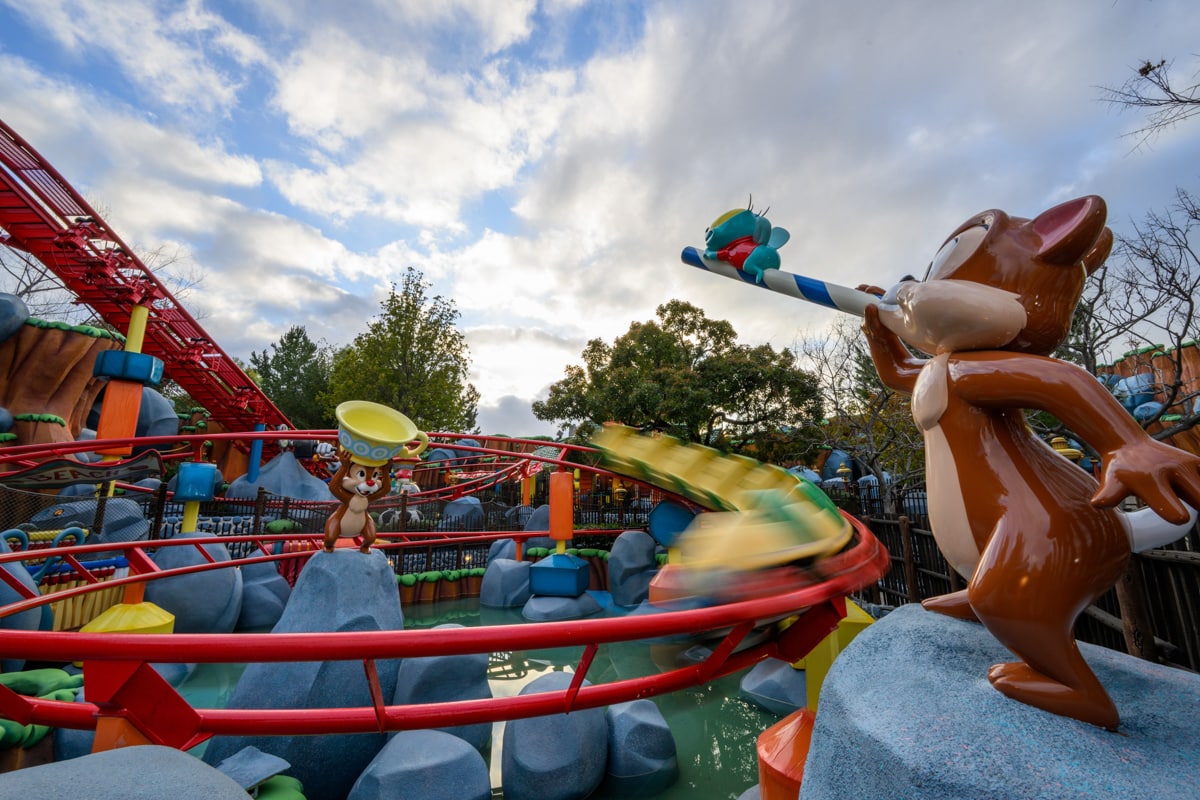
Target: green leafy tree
(294, 373)
(685, 375)
(411, 358)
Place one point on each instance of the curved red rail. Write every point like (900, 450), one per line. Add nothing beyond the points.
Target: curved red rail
(120, 682)
(43, 215)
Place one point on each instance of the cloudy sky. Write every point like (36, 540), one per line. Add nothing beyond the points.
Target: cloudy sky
(543, 164)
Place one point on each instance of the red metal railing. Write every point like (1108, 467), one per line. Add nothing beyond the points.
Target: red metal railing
(123, 689)
(121, 684)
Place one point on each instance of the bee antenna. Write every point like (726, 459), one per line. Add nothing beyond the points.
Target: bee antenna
(763, 213)
(750, 205)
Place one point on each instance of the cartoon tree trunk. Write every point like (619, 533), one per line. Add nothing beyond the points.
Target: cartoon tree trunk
(46, 379)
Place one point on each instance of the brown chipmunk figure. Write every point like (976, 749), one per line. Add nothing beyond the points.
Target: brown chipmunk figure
(1037, 537)
(356, 486)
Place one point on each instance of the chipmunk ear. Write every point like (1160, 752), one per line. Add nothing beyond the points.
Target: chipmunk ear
(1071, 230)
(1099, 252)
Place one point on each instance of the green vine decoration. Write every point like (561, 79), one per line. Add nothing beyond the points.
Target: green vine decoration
(53, 419)
(86, 330)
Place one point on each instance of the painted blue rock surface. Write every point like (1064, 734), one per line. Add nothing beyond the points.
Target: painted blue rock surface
(551, 608)
(283, 475)
(631, 567)
(29, 620)
(145, 772)
(505, 584)
(641, 750)
(264, 596)
(436, 679)
(908, 704)
(202, 602)
(557, 757)
(462, 514)
(340, 591)
(424, 765)
(776, 686)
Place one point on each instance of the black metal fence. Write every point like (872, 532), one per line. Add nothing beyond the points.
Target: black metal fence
(1154, 612)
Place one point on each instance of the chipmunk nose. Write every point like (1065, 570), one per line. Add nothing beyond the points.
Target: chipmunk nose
(891, 295)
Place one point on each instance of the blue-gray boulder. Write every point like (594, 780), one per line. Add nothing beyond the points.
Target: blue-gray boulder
(556, 757)
(143, 772)
(462, 514)
(340, 591)
(437, 679)
(641, 750)
(907, 705)
(539, 520)
(13, 313)
(467, 457)
(442, 454)
(72, 743)
(264, 595)
(424, 765)
(551, 608)
(156, 415)
(502, 548)
(28, 620)
(249, 767)
(202, 602)
(631, 567)
(285, 476)
(123, 521)
(505, 584)
(775, 685)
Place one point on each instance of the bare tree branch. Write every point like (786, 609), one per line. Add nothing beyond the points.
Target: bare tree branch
(1151, 89)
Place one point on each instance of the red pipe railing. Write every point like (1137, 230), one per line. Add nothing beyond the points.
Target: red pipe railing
(121, 685)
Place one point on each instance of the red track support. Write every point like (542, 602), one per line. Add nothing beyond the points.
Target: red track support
(42, 215)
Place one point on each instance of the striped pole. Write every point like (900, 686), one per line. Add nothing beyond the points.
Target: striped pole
(830, 295)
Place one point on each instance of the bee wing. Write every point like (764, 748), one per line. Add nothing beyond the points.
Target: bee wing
(779, 237)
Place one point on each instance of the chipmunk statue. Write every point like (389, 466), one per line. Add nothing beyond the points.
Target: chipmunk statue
(356, 486)
(1037, 538)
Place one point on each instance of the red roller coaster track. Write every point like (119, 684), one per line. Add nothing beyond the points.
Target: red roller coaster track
(42, 215)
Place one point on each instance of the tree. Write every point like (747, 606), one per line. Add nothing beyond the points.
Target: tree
(1145, 299)
(411, 358)
(1150, 88)
(865, 418)
(294, 374)
(685, 375)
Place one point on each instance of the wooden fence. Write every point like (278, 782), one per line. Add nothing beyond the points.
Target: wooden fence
(1153, 613)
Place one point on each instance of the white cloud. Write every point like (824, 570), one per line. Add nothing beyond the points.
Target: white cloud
(162, 53)
(549, 194)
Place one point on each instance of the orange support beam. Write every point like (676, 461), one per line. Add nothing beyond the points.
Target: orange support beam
(562, 506)
(119, 414)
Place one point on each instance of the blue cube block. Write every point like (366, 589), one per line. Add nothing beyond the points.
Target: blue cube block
(560, 575)
(124, 365)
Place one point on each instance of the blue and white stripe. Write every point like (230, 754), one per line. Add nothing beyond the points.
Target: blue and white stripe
(830, 295)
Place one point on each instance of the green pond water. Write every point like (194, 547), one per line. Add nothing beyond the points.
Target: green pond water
(714, 729)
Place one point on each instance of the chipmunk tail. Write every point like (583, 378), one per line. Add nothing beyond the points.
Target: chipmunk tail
(1147, 530)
